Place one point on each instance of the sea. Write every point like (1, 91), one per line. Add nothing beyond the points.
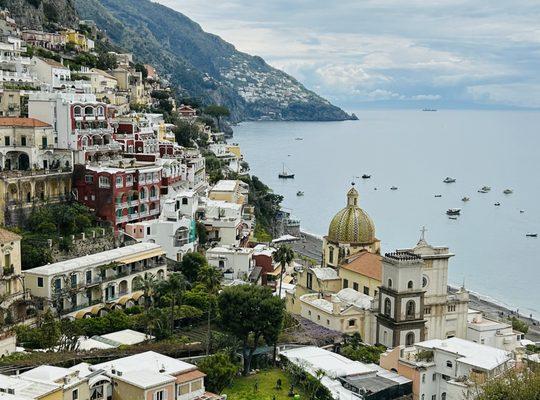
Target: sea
(415, 151)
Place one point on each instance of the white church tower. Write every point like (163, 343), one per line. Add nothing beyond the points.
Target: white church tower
(400, 320)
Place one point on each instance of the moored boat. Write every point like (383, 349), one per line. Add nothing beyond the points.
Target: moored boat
(452, 217)
(508, 191)
(449, 180)
(497, 204)
(285, 175)
(453, 211)
(486, 188)
(299, 193)
(531, 234)
(366, 176)
(394, 188)
(438, 195)
(465, 198)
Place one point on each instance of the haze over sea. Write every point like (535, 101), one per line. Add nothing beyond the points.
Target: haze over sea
(415, 151)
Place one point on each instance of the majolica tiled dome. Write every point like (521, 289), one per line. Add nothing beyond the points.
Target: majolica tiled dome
(352, 224)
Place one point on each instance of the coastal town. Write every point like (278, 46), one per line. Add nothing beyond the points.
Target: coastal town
(141, 259)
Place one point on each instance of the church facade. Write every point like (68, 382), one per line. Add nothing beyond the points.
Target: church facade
(408, 287)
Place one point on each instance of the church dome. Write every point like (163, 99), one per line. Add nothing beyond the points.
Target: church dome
(352, 224)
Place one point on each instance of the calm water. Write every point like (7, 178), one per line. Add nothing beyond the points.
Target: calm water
(415, 151)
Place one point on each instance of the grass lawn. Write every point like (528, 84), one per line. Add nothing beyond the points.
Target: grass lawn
(243, 388)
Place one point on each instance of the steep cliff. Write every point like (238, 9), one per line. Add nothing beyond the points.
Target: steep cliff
(41, 14)
(203, 65)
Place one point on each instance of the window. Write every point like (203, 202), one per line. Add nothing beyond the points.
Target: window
(387, 307)
(389, 283)
(409, 339)
(309, 280)
(434, 377)
(443, 396)
(100, 111)
(88, 276)
(330, 255)
(355, 286)
(449, 364)
(196, 385)
(6, 140)
(318, 317)
(327, 322)
(23, 140)
(424, 281)
(427, 310)
(434, 397)
(423, 397)
(160, 395)
(73, 280)
(366, 290)
(451, 308)
(77, 111)
(352, 322)
(89, 178)
(129, 180)
(58, 284)
(184, 200)
(75, 394)
(423, 378)
(410, 285)
(119, 181)
(104, 182)
(345, 283)
(183, 389)
(40, 282)
(411, 309)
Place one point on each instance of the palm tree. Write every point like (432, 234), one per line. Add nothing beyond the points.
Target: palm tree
(148, 285)
(175, 286)
(210, 277)
(284, 255)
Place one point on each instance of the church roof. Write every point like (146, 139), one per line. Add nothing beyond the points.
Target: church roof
(352, 224)
(364, 263)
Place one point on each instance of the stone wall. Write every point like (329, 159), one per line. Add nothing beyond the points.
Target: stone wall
(98, 240)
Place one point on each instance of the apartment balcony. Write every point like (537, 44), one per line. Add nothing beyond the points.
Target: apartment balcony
(10, 76)
(154, 211)
(121, 205)
(123, 218)
(154, 198)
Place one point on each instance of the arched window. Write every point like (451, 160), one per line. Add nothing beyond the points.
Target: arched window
(410, 285)
(88, 110)
(142, 193)
(77, 111)
(411, 309)
(424, 281)
(443, 396)
(389, 283)
(331, 255)
(409, 339)
(387, 307)
(153, 191)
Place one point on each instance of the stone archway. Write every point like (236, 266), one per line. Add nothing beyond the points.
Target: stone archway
(24, 162)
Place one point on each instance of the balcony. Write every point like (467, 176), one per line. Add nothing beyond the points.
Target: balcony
(123, 218)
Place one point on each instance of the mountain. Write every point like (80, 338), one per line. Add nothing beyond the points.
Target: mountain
(42, 14)
(204, 66)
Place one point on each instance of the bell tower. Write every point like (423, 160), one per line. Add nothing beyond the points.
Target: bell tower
(400, 320)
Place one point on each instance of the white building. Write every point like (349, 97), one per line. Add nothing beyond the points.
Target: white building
(105, 279)
(50, 72)
(347, 379)
(492, 333)
(448, 369)
(78, 119)
(13, 66)
(234, 262)
(223, 221)
(175, 229)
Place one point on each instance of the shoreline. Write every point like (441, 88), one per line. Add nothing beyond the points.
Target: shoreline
(310, 246)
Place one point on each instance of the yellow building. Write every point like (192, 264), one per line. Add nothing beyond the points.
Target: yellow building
(230, 191)
(351, 231)
(78, 39)
(312, 280)
(361, 272)
(234, 149)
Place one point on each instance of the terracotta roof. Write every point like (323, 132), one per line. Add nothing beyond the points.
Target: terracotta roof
(364, 263)
(190, 376)
(23, 122)
(8, 236)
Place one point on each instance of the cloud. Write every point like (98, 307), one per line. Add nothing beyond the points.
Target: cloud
(451, 51)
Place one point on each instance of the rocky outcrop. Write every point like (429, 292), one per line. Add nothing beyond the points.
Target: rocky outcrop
(42, 14)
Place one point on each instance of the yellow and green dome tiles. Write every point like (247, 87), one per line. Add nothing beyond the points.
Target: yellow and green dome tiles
(352, 224)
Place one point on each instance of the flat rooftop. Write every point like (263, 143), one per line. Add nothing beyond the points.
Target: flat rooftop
(94, 260)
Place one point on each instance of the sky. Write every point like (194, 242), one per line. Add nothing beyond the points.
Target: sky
(389, 53)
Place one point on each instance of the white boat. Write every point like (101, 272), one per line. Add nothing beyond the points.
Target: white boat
(486, 188)
(449, 180)
(394, 188)
(497, 204)
(299, 138)
(299, 193)
(482, 191)
(508, 191)
(465, 199)
(453, 211)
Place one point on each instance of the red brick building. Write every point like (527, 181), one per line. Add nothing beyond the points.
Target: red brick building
(120, 195)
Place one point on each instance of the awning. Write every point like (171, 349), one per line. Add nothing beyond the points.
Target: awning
(137, 295)
(275, 272)
(124, 299)
(97, 308)
(285, 238)
(142, 256)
